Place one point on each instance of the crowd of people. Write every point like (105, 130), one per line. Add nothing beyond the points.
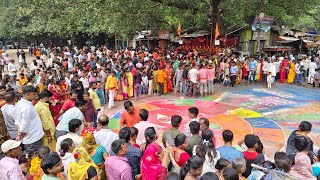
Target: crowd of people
(54, 127)
(186, 152)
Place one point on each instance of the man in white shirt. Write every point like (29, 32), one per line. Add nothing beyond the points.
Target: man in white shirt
(8, 113)
(193, 76)
(12, 68)
(72, 113)
(29, 124)
(193, 115)
(312, 71)
(74, 127)
(143, 125)
(105, 136)
(85, 81)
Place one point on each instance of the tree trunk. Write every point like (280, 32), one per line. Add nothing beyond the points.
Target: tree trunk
(214, 14)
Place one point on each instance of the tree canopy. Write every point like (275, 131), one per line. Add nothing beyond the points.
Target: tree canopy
(68, 18)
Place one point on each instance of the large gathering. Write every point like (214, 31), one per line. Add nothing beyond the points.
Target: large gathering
(54, 126)
(159, 90)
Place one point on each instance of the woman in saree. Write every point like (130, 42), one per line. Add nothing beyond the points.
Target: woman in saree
(83, 168)
(97, 152)
(258, 72)
(244, 70)
(226, 68)
(124, 85)
(283, 69)
(292, 72)
(57, 100)
(64, 89)
(130, 82)
(239, 73)
(151, 164)
(169, 71)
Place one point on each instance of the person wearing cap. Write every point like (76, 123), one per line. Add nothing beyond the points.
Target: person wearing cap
(9, 165)
(42, 108)
(28, 121)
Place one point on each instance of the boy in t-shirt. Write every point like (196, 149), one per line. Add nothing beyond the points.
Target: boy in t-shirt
(251, 155)
(51, 165)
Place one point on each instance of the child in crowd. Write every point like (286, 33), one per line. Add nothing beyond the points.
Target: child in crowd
(251, 155)
(144, 83)
(25, 162)
(226, 80)
(133, 137)
(51, 165)
(269, 79)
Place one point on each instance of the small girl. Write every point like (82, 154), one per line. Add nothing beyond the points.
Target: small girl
(269, 79)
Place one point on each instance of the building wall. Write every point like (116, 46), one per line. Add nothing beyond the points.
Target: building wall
(249, 45)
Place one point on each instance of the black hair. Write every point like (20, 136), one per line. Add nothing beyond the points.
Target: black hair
(172, 176)
(150, 135)
(230, 174)
(144, 114)
(74, 92)
(116, 145)
(282, 161)
(259, 148)
(49, 161)
(45, 93)
(305, 126)
(86, 93)
(42, 151)
(80, 102)
(300, 143)
(175, 120)
(206, 146)
(125, 134)
(65, 146)
(179, 140)
(127, 104)
(268, 165)
(91, 84)
(9, 96)
(28, 89)
(26, 155)
(227, 135)
(134, 131)
(222, 163)
(193, 163)
(103, 121)
(250, 140)
(209, 176)
(74, 124)
(205, 121)
(194, 127)
(194, 110)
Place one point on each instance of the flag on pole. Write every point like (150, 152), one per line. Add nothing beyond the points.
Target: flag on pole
(179, 30)
(216, 33)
